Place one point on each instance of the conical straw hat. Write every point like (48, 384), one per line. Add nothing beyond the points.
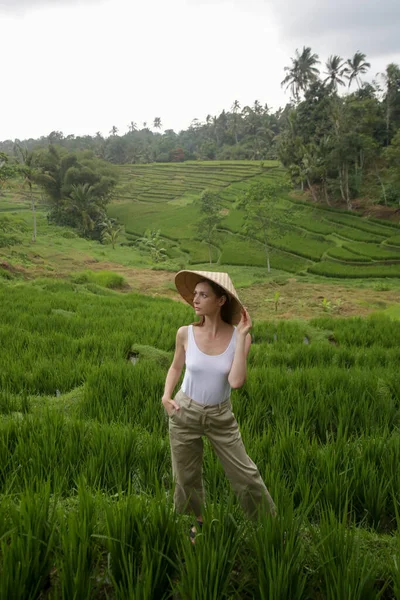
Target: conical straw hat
(186, 281)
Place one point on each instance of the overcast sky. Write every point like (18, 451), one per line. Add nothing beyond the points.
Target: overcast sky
(81, 66)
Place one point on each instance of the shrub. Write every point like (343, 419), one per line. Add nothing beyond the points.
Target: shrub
(107, 279)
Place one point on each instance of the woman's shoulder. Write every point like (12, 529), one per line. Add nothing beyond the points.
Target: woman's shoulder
(182, 333)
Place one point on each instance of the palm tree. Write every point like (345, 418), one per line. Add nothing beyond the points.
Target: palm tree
(132, 127)
(257, 107)
(114, 130)
(7, 171)
(30, 174)
(157, 123)
(357, 66)
(110, 232)
(336, 69)
(235, 106)
(152, 241)
(302, 72)
(215, 128)
(391, 80)
(84, 207)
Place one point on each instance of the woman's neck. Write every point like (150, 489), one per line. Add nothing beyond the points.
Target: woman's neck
(213, 325)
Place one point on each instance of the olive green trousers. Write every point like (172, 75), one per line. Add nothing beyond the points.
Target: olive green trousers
(187, 426)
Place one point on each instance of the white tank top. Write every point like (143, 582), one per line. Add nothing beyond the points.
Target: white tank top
(206, 377)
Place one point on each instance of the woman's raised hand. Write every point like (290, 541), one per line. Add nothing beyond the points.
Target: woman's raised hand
(245, 324)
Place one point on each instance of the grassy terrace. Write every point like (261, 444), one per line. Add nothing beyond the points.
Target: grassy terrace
(302, 237)
(305, 239)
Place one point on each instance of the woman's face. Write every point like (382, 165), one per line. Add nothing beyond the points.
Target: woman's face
(205, 300)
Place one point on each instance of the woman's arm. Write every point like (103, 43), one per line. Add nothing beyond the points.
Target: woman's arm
(175, 370)
(238, 372)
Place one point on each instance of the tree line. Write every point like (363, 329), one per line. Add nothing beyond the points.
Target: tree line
(342, 146)
(76, 187)
(336, 146)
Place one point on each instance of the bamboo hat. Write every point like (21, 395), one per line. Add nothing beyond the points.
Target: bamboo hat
(186, 281)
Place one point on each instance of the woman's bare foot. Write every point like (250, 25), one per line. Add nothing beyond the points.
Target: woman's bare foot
(194, 530)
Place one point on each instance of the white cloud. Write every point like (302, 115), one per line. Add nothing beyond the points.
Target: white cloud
(80, 69)
(21, 6)
(373, 27)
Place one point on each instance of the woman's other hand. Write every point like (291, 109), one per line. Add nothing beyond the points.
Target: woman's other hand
(170, 404)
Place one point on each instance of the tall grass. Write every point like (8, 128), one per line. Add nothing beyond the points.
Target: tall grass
(85, 478)
(26, 549)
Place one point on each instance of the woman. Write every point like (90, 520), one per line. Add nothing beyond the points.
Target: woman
(214, 353)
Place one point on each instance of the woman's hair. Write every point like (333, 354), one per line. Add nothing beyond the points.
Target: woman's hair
(226, 308)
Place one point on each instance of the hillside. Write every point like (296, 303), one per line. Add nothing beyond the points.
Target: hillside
(304, 237)
(308, 243)
(86, 479)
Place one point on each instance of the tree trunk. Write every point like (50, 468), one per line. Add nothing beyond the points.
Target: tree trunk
(383, 187)
(387, 120)
(34, 217)
(325, 188)
(310, 187)
(346, 187)
(341, 185)
(209, 253)
(267, 256)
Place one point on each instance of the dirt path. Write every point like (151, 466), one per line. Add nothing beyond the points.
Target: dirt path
(297, 299)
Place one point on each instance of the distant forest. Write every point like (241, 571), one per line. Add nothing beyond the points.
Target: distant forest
(335, 145)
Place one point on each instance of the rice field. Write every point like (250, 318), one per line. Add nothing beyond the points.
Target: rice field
(304, 238)
(85, 475)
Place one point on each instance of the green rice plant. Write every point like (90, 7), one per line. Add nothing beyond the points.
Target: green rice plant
(311, 223)
(198, 251)
(373, 493)
(320, 419)
(238, 251)
(394, 240)
(26, 550)
(373, 251)
(330, 269)
(376, 330)
(142, 545)
(302, 245)
(346, 255)
(51, 448)
(361, 223)
(106, 279)
(76, 564)
(66, 333)
(396, 556)
(8, 402)
(206, 569)
(357, 235)
(345, 571)
(273, 557)
(119, 392)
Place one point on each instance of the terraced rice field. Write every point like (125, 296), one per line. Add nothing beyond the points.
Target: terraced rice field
(302, 237)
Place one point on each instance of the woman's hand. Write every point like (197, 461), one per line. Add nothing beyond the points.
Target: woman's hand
(244, 325)
(169, 405)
